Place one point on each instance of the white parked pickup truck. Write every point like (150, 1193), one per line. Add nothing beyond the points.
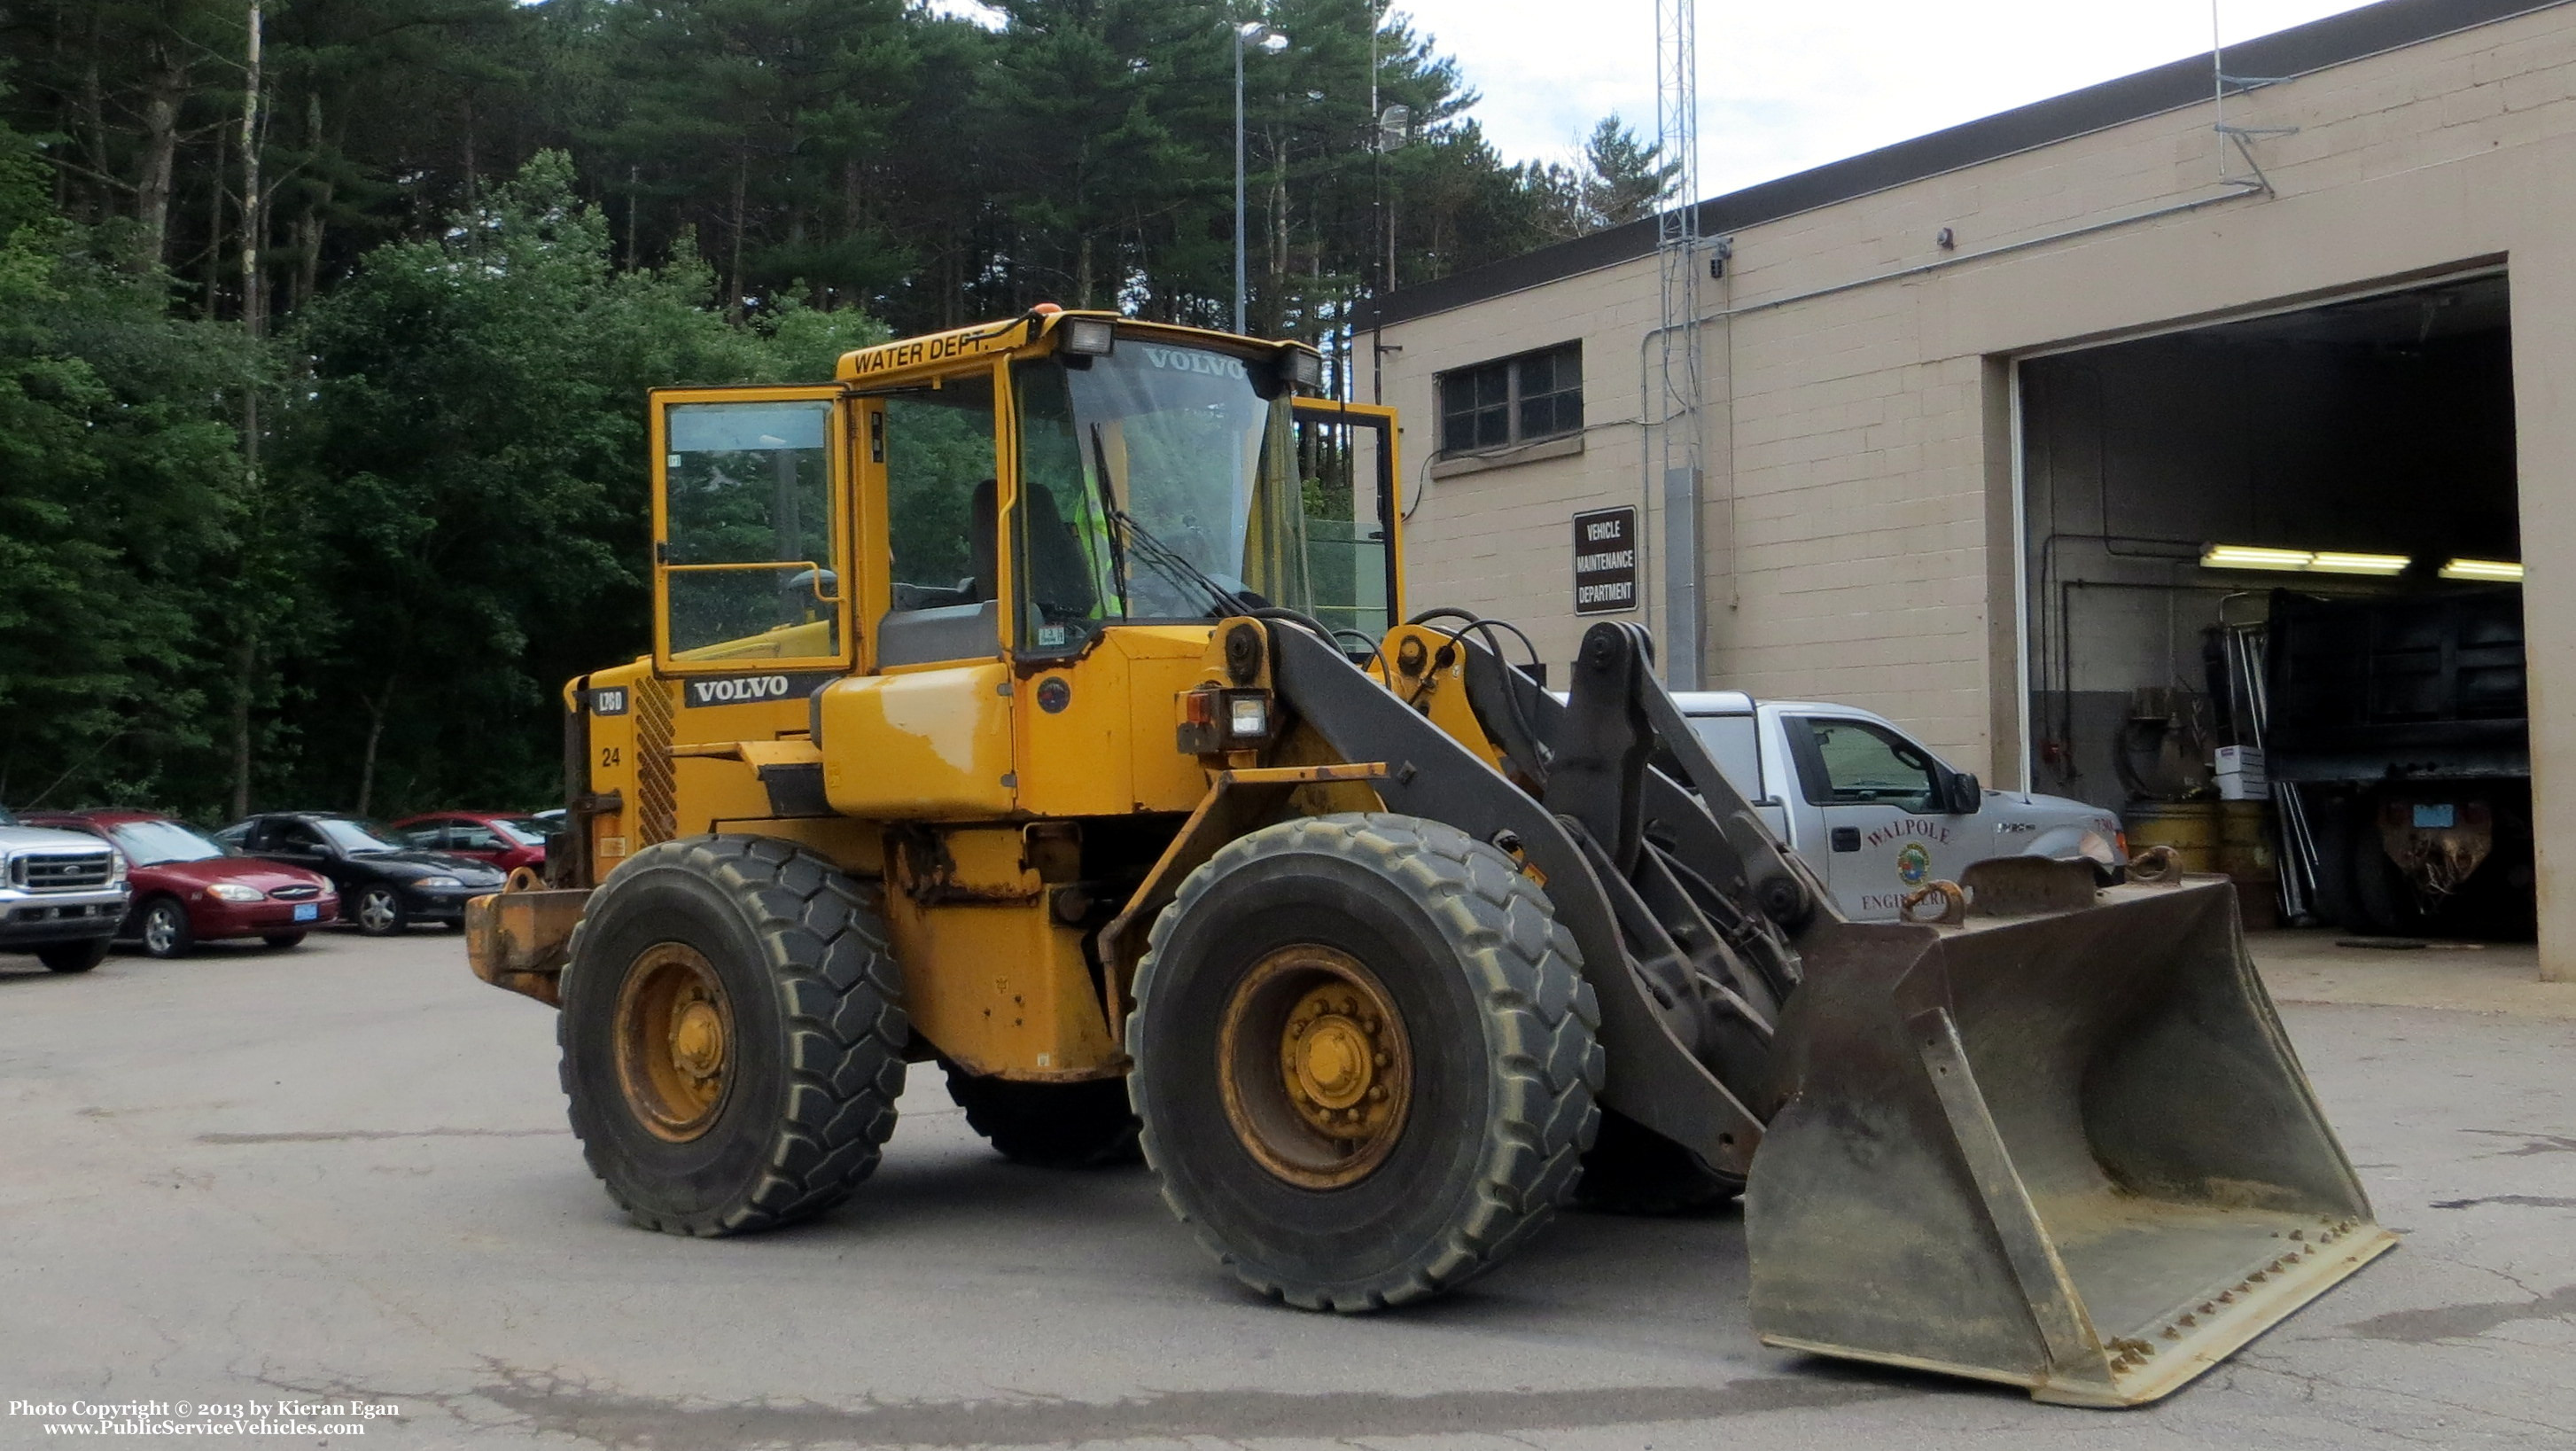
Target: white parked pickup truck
(1874, 812)
(62, 894)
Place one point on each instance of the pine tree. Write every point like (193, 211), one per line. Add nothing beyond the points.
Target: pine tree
(1624, 179)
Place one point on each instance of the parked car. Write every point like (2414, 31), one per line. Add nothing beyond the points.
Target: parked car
(62, 894)
(504, 839)
(1874, 812)
(385, 884)
(190, 888)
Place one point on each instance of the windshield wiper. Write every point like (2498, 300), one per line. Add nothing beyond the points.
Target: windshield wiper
(1171, 564)
(1109, 510)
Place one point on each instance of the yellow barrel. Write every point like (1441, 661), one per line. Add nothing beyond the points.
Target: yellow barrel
(2189, 827)
(2245, 840)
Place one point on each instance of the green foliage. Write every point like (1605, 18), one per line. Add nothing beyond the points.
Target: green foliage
(476, 408)
(118, 484)
(343, 552)
(1624, 179)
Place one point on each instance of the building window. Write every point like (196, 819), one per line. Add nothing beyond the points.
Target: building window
(1512, 401)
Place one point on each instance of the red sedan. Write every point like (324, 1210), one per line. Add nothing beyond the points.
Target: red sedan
(507, 839)
(189, 888)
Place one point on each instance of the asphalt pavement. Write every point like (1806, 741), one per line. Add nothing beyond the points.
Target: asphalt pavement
(339, 1176)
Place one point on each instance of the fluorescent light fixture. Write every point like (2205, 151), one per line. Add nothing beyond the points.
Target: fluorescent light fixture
(2300, 561)
(2333, 562)
(2495, 569)
(2253, 556)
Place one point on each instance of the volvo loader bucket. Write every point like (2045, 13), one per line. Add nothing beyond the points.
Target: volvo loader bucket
(2069, 1151)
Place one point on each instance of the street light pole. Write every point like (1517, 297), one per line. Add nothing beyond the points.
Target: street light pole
(1273, 42)
(1238, 179)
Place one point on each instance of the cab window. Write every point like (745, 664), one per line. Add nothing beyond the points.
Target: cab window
(1856, 763)
(939, 475)
(748, 544)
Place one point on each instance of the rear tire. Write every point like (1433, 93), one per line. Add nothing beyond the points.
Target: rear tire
(165, 932)
(73, 956)
(1049, 1125)
(1297, 957)
(732, 1034)
(1631, 1169)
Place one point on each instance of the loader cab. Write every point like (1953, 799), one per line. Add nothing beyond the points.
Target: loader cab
(1013, 492)
(991, 548)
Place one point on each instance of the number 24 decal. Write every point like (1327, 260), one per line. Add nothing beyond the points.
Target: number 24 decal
(608, 758)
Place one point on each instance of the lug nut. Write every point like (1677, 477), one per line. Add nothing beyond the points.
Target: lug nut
(1383, 1060)
(1377, 1093)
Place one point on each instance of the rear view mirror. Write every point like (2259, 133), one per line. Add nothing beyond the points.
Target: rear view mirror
(1965, 794)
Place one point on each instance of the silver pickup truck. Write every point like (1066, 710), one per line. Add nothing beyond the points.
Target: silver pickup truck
(62, 895)
(1873, 811)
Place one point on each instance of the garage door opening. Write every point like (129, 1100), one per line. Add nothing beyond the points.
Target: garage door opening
(2273, 609)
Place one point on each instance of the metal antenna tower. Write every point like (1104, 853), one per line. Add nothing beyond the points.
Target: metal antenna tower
(1676, 407)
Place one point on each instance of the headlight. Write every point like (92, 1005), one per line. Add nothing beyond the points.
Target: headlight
(117, 867)
(1248, 716)
(234, 892)
(438, 882)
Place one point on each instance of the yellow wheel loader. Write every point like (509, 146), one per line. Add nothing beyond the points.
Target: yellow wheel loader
(1040, 698)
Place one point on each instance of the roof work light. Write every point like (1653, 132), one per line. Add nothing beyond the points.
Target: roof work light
(1090, 337)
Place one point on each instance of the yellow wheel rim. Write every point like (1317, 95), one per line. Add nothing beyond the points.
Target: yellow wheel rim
(1315, 1067)
(674, 1041)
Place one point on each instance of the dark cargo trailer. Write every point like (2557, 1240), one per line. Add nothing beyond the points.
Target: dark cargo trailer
(2403, 722)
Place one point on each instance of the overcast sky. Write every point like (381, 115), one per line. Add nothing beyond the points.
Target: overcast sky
(1785, 86)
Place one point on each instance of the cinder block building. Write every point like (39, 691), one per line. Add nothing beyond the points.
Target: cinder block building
(1993, 421)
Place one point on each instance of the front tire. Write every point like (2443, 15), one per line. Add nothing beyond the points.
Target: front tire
(378, 910)
(165, 931)
(73, 956)
(732, 1034)
(1049, 1125)
(1365, 1059)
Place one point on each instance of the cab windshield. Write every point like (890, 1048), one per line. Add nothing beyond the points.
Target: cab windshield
(1143, 471)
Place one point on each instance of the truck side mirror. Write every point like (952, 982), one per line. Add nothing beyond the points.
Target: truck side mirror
(1966, 795)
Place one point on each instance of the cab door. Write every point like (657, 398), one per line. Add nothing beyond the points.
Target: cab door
(1346, 458)
(751, 543)
(924, 733)
(1879, 794)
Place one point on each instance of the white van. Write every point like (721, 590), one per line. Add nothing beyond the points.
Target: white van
(1872, 810)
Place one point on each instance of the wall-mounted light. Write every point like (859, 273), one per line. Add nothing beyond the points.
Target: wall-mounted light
(2504, 570)
(2300, 561)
